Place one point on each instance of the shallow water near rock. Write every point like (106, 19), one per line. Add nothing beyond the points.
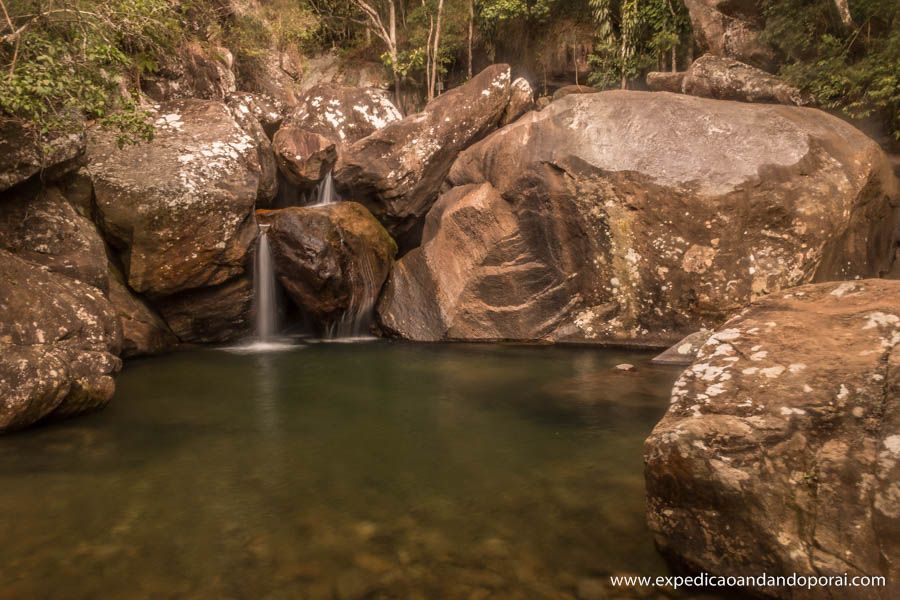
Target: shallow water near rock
(344, 470)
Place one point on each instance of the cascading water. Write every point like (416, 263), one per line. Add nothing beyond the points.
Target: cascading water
(325, 191)
(356, 320)
(264, 289)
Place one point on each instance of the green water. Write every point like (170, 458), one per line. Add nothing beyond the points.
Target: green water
(340, 471)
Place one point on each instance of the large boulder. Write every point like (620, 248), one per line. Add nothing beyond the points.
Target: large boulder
(23, 153)
(641, 217)
(343, 114)
(143, 330)
(780, 451)
(59, 339)
(724, 78)
(40, 226)
(332, 260)
(521, 100)
(397, 171)
(192, 72)
(731, 28)
(211, 315)
(267, 188)
(663, 81)
(179, 209)
(304, 157)
(267, 110)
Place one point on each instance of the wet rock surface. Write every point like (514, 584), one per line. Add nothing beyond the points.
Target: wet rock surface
(780, 450)
(211, 315)
(179, 209)
(42, 227)
(640, 217)
(304, 157)
(59, 339)
(332, 260)
(397, 171)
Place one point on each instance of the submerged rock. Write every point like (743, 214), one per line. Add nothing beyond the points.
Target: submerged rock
(398, 170)
(59, 339)
(332, 260)
(727, 79)
(179, 209)
(780, 452)
(42, 227)
(685, 351)
(640, 217)
(304, 157)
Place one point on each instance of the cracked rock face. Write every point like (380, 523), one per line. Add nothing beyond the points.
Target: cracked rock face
(179, 209)
(304, 158)
(731, 28)
(780, 451)
(42, 227)
(59, 339)
(641, 217)
(21, 156)
(397, 171)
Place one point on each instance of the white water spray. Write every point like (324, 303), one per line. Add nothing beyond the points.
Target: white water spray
(264, 289)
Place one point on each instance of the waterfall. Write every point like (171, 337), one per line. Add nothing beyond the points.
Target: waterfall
(325, 191)
(356, 320)
(264, 288)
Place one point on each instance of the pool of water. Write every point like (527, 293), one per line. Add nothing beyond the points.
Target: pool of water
(340, 471)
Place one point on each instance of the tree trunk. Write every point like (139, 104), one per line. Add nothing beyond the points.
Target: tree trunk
(471, 28)
(393, 50)
(674, 58)
(435, 51)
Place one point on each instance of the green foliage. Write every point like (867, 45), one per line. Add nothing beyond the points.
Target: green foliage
(634, 36)
(66, 61)
(853, 68)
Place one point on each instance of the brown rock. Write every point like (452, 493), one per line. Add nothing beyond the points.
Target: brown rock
(332, 260)
(731, 28)
(211, 315)
(192, 72)
(179, 209)
(40, 226)
(267, 110)
(572, 89)
(640, 217)
(398, 170)
(343, 114)
(660, 81)
(303, 157)
(685, 351)
(780, 452)
(143, 331)
(267, 188)
(58, 343)
(727, 79)
(23, 154)
(521, 100)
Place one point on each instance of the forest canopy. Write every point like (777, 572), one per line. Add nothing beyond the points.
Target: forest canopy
(63, 62)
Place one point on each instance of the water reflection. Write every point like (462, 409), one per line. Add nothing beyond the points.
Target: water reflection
(345, 470)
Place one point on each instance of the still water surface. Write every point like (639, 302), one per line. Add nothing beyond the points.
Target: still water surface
(340, 470)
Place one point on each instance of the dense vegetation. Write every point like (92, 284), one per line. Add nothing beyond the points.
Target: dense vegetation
(64, 62)
(845, 54)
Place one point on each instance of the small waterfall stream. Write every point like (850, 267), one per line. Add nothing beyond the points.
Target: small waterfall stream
(264, 289)
(325, 191)
(356, 321)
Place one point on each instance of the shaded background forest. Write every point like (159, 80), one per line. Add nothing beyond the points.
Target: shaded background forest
(64, 61)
